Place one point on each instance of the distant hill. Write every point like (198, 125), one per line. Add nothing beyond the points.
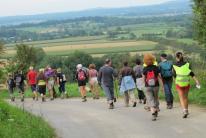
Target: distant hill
(169, 8)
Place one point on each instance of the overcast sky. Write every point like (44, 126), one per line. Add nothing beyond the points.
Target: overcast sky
(27, 7)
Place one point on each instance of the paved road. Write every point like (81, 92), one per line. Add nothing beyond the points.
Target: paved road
(74, 119)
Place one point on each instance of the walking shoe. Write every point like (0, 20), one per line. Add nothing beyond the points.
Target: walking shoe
(111, 106)
(145, 100)
(84, 99)
(52, 98)
(36, 99)
(13, 99)
(154, 118)
(115, 100)
(156, 114)
(169, 107)
(22, 99)
(134, 104)
(185, 114)
(97, 97)
(147, 108)
(43, 99)
(33, 97)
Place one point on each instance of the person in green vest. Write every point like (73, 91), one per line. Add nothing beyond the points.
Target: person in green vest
(182, 73)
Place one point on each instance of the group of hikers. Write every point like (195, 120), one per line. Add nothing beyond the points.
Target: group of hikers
(38, 81)
(147, 77)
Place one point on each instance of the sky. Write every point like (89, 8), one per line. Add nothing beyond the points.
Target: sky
(30, 7)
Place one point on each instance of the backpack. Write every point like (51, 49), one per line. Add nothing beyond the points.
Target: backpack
(11, 82)
(138, 72)
(151, 78)
(166, 69)
(62, 77)
(81, 75)
(18, 79)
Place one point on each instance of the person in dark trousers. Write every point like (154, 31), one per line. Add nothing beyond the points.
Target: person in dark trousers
(106, 79)
(182, 73)
(61, 81)
(167, 76)
(41, 82)
(11, 86)
(138, 70)
(20, 83)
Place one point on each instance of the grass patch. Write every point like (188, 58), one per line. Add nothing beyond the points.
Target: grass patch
(16, 123)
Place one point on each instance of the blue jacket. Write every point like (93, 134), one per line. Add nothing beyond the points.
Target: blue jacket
(127, 84)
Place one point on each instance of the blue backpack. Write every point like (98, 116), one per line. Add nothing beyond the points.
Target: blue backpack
(166, 69)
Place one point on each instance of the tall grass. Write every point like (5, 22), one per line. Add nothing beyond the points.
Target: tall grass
(16, 123)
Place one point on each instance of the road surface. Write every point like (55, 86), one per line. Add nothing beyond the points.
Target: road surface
(73, 119)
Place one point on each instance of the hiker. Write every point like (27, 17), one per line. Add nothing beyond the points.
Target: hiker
(182, 73)
(31, 77)
(41, 82)
(152, 78)
(138, 70)
(167, 77)
(11, 85)
(93, 82)
(105, 78)
(50, 75)
(127, 84)
(81, 77)
(61, 81)
(20, 83)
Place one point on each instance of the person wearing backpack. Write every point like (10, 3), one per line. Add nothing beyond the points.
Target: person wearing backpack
(31, 77)
(182, 73)
(81, 77)
(41, 83)
(50, 75)
(93, 82)
(152, 78)
(61, 81)
(106, 80)
(20, 83)
(138, 70)
(167, 76)
(127, 84)
(11, 85)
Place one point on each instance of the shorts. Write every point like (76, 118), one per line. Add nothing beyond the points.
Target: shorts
(50, 84)
(33, 87)
(186, 88)
(42, 89)
(81, 83)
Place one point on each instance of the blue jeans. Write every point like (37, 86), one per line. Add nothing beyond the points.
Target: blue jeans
(109, 91)
(168, 91)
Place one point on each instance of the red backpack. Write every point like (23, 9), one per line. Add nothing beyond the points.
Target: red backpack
(151, 78)
(81, 75)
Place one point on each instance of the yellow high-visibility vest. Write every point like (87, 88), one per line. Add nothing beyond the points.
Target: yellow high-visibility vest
(182, 75)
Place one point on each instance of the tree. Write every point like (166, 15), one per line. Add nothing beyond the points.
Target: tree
(199, 21)
(27, 56)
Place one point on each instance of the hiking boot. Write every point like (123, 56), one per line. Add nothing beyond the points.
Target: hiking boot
(134, 104)
(52, 98)
(156, 114)
(111, 106)
(33, 97)
(115, 100)
(97, 97)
